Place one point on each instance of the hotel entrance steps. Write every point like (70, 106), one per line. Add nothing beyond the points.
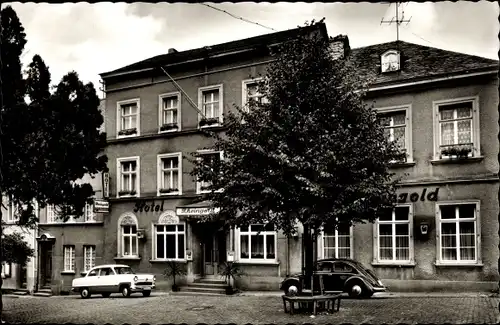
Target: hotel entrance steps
(203, 286)
(21, 292)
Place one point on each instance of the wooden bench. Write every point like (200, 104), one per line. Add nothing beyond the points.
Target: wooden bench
(329, 300)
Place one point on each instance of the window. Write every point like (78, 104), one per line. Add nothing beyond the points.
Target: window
(88, 213)
(53, 215)
(390, 61)
(337, 244)
(458, 233)
(397, 127)
(128, 176)
(257, 243)
(250, 92)
(394, 236)
(128, 118)
(456, 128)
(6, 270)
(128, 240)
(208, 158)
(170, 113)
(170, 174)
(170, 241)
(89, 257)
(12, 213)
(69, 258)
(210, 102)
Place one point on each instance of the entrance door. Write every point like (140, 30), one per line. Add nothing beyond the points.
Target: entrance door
(214, 252)
(45, 264)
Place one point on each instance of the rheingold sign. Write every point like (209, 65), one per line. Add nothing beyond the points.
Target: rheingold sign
(196, 211)
(415, 196)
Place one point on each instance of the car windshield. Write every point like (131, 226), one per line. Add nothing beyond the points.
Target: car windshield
(124, 270)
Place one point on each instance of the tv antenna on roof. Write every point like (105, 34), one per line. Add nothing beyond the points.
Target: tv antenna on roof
(397, 21)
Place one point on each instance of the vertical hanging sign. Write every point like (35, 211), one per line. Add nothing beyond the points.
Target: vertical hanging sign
(105, 185)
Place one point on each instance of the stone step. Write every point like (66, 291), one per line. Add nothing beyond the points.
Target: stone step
(20, 292)
(192, 293)
(203, 289)
(209, 281)
(42, 294)
(207, 285)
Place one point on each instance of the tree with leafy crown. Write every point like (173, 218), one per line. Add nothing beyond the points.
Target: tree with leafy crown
(311, 151)
(48, 144)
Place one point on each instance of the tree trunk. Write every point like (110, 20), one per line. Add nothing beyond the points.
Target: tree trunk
(309, 258)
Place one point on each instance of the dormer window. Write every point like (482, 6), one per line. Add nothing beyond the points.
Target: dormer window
(390, 61)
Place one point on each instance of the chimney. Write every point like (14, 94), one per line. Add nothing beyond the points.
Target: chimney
(339, 46)
(172, 50)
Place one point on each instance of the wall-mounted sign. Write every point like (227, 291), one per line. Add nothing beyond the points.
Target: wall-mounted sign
(414, 197)
(141, 206)
(105, 185)
(189, 255)
(101, 206)
(230, 256)
(196, 211)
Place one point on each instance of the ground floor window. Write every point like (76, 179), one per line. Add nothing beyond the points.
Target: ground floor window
(69, 258)
(338, 243)
(170, 242)
(257, 242)
(458, 232)
(129, 240)
(89, 257)
(394, 235)
(6, 270)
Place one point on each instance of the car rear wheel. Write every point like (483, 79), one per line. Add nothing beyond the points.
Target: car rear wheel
(146, 293)
(106, 295)
(85, 293)
(291, 289)
(356, 290)
(125, 290)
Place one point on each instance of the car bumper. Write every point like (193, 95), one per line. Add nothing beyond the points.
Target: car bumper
(379, 289)
(141, 288)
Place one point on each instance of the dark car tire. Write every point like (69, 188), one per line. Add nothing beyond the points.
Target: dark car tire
(125, 291)
(356, 290)
(106, 295)
(287, 286)
(85, 293)
(146, 293)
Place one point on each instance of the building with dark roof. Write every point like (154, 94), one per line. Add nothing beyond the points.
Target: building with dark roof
(440, 105)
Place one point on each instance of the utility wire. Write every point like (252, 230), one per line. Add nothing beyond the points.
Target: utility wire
(408, 29)
(236, 17)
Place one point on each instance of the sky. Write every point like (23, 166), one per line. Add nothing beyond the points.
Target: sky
(96, 38)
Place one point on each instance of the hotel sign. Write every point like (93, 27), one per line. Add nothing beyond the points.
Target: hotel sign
(101, 206)
(196, 211)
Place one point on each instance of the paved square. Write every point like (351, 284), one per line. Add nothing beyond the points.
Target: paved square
(163, 308)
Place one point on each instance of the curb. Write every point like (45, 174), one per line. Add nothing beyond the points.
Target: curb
(385, 295)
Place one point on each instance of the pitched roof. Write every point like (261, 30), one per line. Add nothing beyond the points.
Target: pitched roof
(417, 62)
(212, 50)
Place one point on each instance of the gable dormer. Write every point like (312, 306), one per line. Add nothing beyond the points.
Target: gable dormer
(390, 61)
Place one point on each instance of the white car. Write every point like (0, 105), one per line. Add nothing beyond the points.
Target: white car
(113, 278)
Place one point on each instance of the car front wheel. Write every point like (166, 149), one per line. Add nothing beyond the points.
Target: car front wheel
(146, 293)
(291, 289)
(85, 293)
(125, 291)
(356, 290)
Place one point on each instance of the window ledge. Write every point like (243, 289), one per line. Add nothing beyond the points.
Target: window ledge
(392, 264)
(438, 264)
(402, 164)
(132, 258)
(68, 272)
(456, 160)
(166, 261)
(257, 262)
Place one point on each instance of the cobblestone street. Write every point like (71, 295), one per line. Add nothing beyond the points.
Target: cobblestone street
(163, 308)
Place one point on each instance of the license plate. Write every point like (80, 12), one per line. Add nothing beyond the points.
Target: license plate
(146, 288)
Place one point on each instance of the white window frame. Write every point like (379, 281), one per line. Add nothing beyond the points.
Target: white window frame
(88, 213)
(408, 126)
(11, 217)
(244, 92)
(160, 177)
(321, 243)
(93, 257)
(393, 222)
(121, 236)
(6, 270)
(384, 61)
(477, 221)
(176, 232)
(249, 233)
(119, 162)
(201, 90)
(119, 104)
(161, 122)
(207, 152)
(475, 134)
(52, 216)
(69, 266)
